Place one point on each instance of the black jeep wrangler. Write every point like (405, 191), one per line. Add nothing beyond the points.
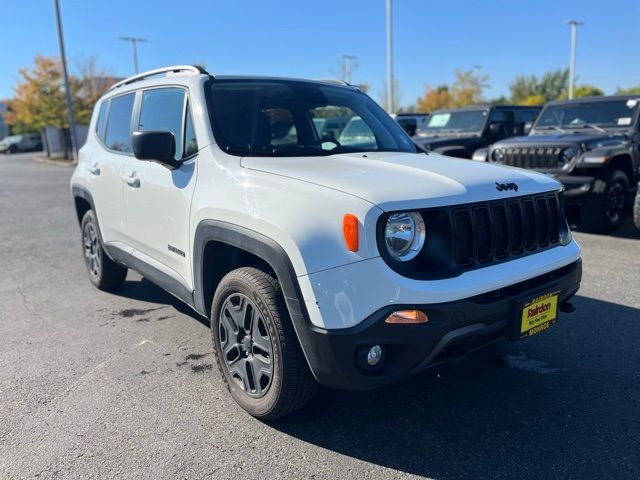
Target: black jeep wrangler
(590, 145)
(459, 132)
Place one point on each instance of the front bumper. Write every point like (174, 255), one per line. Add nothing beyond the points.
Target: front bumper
(454, 329)
(576, 186)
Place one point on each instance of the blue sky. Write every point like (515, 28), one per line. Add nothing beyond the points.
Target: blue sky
(307, 38)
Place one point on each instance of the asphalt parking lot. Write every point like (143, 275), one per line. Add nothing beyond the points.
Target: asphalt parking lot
(96, 385)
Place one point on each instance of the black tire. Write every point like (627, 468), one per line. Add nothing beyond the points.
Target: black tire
(636, 209)
(104, 273)
(605, 211)
(253, 296)
(12, 149)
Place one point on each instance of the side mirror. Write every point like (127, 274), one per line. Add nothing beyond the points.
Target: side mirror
(498, 129)
(155, 147)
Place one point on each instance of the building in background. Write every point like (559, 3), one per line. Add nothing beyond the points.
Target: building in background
(4, 128)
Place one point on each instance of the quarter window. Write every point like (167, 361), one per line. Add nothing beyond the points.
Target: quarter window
(101, 124)
(190, 143)
(118, 136)
(162, 110)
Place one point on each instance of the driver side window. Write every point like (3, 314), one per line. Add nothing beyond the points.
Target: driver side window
(162, 110)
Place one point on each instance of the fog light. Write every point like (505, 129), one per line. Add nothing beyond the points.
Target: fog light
(407, 316)
(374, 355)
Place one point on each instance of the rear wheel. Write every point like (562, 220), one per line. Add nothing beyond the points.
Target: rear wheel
(605, 211)
(104, 273)
(256, 348)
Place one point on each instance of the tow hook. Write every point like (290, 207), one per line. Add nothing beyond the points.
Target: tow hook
(567, 307)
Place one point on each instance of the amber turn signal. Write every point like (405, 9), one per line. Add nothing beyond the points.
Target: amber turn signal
(350, 232)
(407, 316)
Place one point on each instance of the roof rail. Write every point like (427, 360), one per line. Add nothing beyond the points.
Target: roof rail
(158, 71)
(333, 80)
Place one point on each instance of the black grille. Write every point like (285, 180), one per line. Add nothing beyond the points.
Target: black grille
(499, 230)
(533, 157)
(464, 237)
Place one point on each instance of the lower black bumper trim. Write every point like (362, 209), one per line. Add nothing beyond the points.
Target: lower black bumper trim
(454, 329)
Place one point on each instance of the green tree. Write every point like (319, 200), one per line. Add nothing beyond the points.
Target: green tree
(585, 90)
(551, 86)
(629, 91)
(468, 87)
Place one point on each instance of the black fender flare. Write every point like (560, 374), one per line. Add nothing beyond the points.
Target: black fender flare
(275, 256)
(78, 191)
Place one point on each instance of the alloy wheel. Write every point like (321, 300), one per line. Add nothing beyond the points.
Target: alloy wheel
(246, 345)
(615, 202)
(92, 251)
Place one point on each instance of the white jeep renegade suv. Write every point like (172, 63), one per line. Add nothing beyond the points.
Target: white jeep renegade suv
(347, 264)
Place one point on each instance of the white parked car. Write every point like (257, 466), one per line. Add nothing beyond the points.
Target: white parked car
(317, 262)
(26, 142)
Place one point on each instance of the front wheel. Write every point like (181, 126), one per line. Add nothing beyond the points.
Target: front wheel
(256, 348)
(605, 211)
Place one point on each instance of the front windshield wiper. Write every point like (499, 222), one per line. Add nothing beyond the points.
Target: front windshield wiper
(549, 127)
(594, 127)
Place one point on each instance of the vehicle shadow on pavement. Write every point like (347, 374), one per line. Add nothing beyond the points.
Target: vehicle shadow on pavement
(560, 405)
(142, 289)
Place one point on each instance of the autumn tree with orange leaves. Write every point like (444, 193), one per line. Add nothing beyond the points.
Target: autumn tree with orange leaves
(39, 98)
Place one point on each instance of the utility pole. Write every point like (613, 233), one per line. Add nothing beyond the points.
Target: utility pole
(72, 120)
(349, 64)
(134, 42)
(574, 24)
(390, 106)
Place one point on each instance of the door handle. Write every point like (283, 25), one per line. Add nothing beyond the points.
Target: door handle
(94, 169)
(131, 180)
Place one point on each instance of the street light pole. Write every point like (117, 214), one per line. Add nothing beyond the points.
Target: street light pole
(574, 24)
(349, 63)
(390, 106)
(134, 41)
(63, 58)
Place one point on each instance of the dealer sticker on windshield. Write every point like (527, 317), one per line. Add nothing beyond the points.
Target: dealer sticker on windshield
(539, 314)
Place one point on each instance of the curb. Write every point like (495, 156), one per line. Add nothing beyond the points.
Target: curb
(52, 161)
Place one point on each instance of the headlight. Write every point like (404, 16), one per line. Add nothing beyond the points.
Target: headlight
(568, 154)
(497, 155)
(404, 235)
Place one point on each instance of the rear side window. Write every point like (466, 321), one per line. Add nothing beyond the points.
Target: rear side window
(101, 124)
(162, 110)
(118, 136)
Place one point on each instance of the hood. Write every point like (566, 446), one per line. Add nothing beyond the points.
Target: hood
(394, 181)
(588, 139)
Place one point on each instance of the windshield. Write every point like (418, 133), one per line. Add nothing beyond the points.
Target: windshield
(460, 121)
(603, 114)
(13, 139)
(298, 118)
